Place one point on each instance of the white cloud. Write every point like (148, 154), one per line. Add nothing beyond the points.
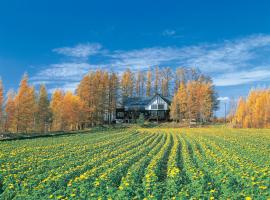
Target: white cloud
(65, 76)
(242, 77)
(229, 62)
(63, 71)
(80, 50)
(221, 57)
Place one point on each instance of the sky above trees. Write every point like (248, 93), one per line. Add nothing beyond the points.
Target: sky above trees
(57, 42)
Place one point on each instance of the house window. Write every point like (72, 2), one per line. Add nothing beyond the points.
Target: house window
(154, 107)
(120, 114)
(160, 106)
(157, 107)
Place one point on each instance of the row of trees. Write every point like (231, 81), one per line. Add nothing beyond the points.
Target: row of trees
(164, 81)
(97, 96)
(28, 111)
(194, 100)
(24, 112)
(254, 112)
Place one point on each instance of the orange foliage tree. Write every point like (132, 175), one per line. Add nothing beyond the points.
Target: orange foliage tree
(254, 112)
(56, 106)
(195, 100)
(25, 107)
(10, 112)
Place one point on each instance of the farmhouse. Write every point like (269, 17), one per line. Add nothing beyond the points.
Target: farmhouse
(153, 108)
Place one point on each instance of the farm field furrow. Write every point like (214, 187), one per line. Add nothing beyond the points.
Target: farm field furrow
(137, 163)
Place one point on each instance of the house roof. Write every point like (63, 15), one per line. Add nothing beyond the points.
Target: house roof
(139, 103)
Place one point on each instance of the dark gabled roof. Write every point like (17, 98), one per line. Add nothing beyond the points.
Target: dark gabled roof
(168, 99)
(139, 103)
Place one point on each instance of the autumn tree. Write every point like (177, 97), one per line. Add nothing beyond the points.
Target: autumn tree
(99, 90)
(43, 115)
(139, 84)
(149, 82)
(157, 80)
(127, 84)
(10, 109)
(86, 92)
(174, 109)
(56, 106)
(240, 113)
(179, 77)
(195, 100)
(72, 111)
(254, 112)
(179, 109)
(182, 99)
(166, 77)
(25, 103)
(112, 96)
(101, 81)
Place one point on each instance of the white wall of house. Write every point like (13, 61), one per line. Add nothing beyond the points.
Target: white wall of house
(157, 103)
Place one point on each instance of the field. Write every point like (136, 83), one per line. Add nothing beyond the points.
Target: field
(205, 163)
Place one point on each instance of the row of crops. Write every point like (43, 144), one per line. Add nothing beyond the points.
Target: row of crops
(139, 164)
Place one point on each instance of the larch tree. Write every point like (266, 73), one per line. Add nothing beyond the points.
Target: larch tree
(195, 100)
(56, 106)
(98, 90)
(240, 113)
(86, 92)
(10, 109)
(72, 112)
(254, 112)
(112, 95)
(206, 105)
(25, 103)
(43, 116)
(174, 109)
(139, 84)
(127, 84)
(179, 77)
(166, 77)
(149, 82)
(179, 105)
(157, 80)
(182, 98)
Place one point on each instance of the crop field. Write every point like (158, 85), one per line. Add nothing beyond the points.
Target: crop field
(205, 163)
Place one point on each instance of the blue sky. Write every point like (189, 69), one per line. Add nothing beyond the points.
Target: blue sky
(57, 42)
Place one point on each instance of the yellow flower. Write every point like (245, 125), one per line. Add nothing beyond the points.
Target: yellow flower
(126, 184)
(248, 198)
(263, 187)
(11, 186)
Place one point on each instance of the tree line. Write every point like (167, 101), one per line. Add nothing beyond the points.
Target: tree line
(253, 112)
(97, 96)
(194, 100)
